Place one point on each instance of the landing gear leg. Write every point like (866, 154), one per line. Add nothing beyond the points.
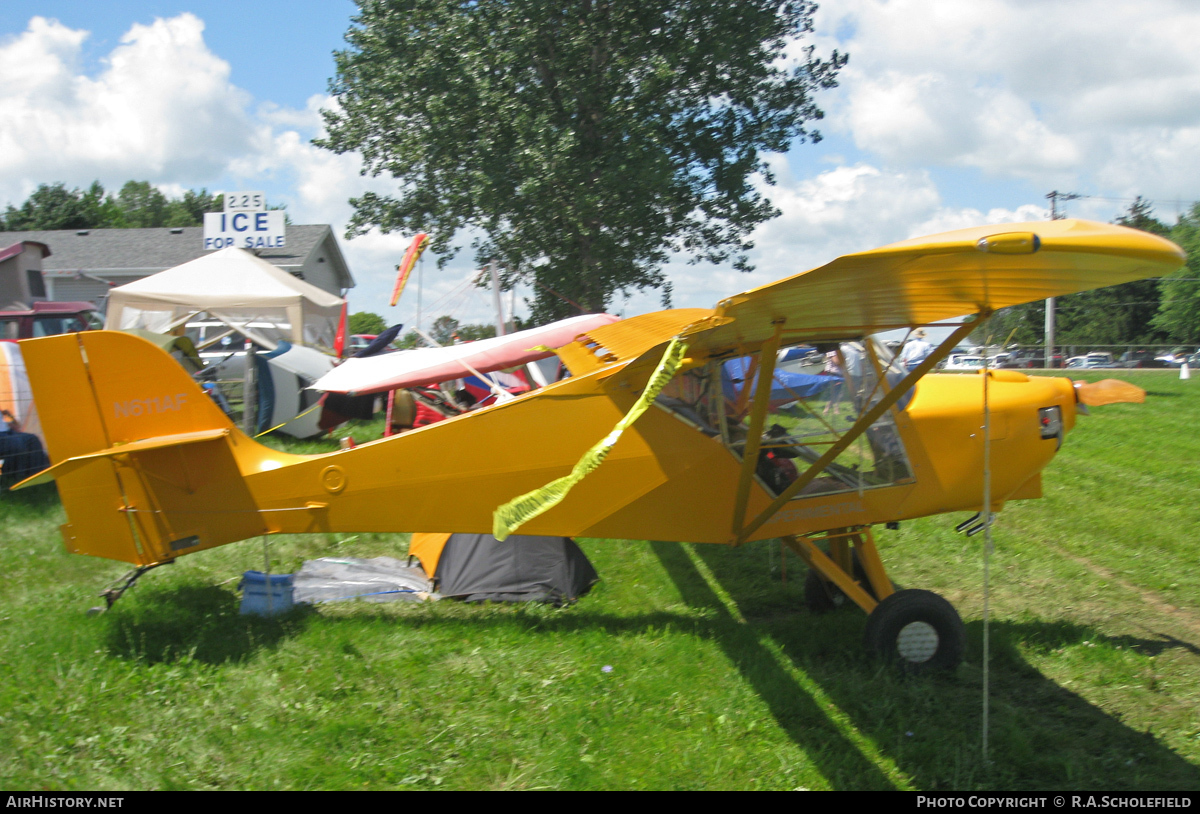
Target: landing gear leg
(844, 574)
(916, 630)
(118, 588)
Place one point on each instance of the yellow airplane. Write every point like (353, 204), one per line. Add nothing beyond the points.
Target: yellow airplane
(676, 425)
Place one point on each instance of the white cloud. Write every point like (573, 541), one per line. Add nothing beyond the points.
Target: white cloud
(947, 220)
(1089, 95)
(161, 108)
(321, 184)
(1085, 92)
(840, 211)
(906, 120)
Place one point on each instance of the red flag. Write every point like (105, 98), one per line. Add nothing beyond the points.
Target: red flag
(339, 341)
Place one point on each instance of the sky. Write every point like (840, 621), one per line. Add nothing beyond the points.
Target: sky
(948, 114)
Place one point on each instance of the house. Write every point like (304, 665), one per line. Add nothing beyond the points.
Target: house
(83, 264)
(20, 262)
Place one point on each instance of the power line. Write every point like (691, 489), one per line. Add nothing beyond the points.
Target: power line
(1056, 196)
(1137, 198)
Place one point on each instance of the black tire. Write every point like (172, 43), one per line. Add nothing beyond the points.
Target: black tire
(918, 631)
(822, 596)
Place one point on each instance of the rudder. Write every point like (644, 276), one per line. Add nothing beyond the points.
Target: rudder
(99, 391)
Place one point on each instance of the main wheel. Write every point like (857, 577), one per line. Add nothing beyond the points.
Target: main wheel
(918, 631)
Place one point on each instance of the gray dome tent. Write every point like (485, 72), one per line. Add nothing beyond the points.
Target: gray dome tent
(523, 568)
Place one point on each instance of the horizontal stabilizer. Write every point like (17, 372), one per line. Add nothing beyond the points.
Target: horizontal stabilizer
(71, 464)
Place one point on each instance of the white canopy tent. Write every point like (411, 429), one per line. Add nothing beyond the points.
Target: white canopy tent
(233, 286)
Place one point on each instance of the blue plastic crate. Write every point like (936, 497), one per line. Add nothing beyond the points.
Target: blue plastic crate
(255, 595)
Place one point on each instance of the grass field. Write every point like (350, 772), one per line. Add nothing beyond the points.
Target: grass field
(719, 679)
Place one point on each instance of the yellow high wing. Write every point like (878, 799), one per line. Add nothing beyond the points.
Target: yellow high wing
(105, 398)
(931, 279)
(914, 282)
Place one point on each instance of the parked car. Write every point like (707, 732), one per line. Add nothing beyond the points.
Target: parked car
(963, 361)
(1029, 358)
(358, 342)
(1173, 359)
(1140, 358)
(222, 348)
(49, 319)
(1096, 359)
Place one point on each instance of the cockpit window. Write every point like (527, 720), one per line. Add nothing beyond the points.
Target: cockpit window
(693, 396)
(814, 399)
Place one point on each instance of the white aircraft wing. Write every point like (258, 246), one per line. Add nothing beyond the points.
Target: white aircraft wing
(415, 368)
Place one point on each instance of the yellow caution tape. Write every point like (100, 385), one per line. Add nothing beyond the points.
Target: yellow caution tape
(289, 421)
(512, 515)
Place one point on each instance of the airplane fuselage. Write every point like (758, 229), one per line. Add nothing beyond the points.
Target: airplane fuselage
(203, 483)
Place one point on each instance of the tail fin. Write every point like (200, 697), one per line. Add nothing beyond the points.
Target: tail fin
(143, 459)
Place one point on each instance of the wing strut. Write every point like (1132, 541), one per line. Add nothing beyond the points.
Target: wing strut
(864, 421)
(762, 397)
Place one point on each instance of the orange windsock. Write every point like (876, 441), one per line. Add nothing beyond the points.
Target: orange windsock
(406, 265)
(1109, 391)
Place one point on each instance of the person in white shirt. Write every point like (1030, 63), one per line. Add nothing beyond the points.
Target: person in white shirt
(916, 350)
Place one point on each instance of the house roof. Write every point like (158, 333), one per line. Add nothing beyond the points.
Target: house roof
(19, 247)
(140, 252)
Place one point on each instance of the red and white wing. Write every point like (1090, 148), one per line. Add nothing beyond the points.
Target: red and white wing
(416, 368)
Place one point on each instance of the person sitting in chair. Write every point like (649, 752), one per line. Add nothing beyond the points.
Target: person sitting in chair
(21, 452)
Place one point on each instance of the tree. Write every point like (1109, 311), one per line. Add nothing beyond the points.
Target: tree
(365, 322)
(138, 205)
(1141, 216)
(443, 330)
(474, 331)
(1179, 312)
(192, 206)
(53, 206)
(142, 205)
(584, 140)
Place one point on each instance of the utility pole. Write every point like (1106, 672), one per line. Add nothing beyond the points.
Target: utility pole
(496, 302)
(1054, 197)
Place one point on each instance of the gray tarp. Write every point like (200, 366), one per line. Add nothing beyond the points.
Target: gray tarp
(382, 579)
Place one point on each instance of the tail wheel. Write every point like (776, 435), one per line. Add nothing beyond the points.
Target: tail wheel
(822, 596)
(918, 631)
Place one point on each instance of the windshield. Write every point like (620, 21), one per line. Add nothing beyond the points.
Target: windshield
(61, 324)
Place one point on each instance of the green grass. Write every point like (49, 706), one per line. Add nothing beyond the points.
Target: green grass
(719, 678)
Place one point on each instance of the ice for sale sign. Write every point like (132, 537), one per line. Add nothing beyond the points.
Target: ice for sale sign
(244, 230)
